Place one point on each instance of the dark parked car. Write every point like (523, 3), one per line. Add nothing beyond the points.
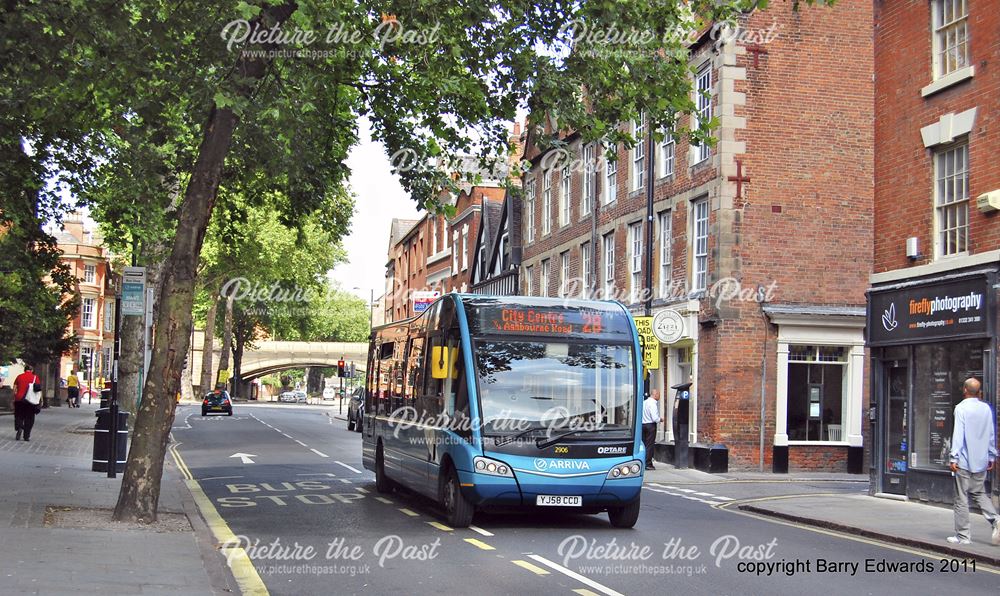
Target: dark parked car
(217, 402)
(356, 409)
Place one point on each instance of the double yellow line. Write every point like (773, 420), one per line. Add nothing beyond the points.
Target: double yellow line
(245, 574)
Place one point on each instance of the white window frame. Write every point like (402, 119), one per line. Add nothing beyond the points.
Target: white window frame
(703, 82)
(589, 179)
(543, 279)
(635, 260)
(951, 200)
(563, 273)
(90, 274)
(610, 181)
(88, 316)
(529, 202)
(608, 240)
(434, 236)
(565, 184)
(585, 264)
(950, 36)
(639, 152)
(109, 316)
(454, 252)
(699, 244)
(502, 258)
(666, 258)
(465, 247)
(546, 203)
(529, 289)
(667, 150)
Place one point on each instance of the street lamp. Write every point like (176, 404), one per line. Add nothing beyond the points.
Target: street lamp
(371, 305)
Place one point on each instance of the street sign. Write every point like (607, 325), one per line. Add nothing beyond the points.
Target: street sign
(650, 345)
(421, 300)
(134, 291)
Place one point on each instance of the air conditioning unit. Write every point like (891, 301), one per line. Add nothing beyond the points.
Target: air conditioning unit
(989, 201)
(912, 248)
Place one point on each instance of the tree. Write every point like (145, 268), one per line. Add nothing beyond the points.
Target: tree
(437, 79)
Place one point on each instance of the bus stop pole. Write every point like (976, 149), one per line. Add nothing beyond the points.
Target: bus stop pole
(113, 403)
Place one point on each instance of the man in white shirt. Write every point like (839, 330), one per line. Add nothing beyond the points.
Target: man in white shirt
(973, 453)
(650, 418)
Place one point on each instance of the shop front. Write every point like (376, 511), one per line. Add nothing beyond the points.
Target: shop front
(927, 336)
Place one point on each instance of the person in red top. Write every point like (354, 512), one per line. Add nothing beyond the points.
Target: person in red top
(24, 411)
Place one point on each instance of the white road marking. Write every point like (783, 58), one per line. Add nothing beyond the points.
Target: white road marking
(345, 480)
(244, 457)
(330, 474)
(362, 490)
(319, 453)
(353, 469)
(704, 494)
(583, 580)
(728, 499)
(672, 494)
(301, 443)
(220, 478)
(479, 530)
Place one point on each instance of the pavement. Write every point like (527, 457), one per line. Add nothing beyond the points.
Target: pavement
(900, 522)
(48, 480)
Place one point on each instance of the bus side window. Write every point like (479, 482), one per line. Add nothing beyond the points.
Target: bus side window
(371, 376)
(385, 376)
(414, 375)
(433, 393)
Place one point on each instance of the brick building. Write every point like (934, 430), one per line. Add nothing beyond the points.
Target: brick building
(761, 245)
(90, 262)
(932, 304)
(436, 253)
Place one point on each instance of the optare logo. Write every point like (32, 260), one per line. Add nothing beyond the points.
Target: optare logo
(611, 450)
(541, 464)
(889, 317)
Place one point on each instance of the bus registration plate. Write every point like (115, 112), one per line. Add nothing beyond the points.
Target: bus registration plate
(558, 501)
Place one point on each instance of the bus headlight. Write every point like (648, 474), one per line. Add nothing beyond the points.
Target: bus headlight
(492, 467)
(629, 469)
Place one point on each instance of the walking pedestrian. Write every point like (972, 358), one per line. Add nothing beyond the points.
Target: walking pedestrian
(650, 418)
(73, 390)
(973, 453)
(24, 409)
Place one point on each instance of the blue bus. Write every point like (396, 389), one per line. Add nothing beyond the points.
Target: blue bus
(508, 402)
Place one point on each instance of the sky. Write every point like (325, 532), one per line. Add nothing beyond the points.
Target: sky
(378, 199)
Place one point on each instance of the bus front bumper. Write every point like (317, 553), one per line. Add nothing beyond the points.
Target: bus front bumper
(596, 490)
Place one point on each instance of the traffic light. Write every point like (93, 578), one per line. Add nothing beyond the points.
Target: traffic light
(340, 368)
(84, 361)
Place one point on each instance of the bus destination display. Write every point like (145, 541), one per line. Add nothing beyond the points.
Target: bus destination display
(528, 320)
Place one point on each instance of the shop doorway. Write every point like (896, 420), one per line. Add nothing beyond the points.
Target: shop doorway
(896, 382)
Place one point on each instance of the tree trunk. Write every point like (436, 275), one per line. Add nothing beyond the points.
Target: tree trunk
(237, 374)
(207, 355)
(227, 340)
(140, 490)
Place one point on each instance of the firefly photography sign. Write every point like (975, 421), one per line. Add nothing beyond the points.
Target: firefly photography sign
(934, 311)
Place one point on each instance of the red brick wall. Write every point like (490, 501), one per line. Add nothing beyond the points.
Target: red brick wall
(903, 167)
(817, 459)
(804, 222)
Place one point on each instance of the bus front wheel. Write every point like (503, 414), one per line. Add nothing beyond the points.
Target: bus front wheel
(383, 483)
(624, 517)
(458, 509)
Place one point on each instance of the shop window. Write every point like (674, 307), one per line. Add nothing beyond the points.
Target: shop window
(817, 384)
(940, 369)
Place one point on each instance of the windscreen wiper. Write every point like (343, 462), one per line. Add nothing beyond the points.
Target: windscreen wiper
(546, 443)
(503, 440)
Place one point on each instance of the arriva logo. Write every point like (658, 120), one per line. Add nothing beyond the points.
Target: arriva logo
(543, 465)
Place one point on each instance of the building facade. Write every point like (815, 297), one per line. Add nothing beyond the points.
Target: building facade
(94, 325)
(933, 299)
(761, 245)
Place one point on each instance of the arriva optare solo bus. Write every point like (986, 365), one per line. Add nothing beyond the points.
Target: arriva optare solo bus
(508, 402)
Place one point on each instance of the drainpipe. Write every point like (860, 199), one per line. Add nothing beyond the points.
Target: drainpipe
(763, 373)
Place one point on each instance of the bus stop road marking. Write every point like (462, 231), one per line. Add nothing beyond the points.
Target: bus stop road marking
(440, 526)
(479, 544)
(569, 573)
(319, 453)
(345, 480)
(351, 468)
(584, 592)
(479, 530)
(362, 490)
(532, 568)
(409, 512)
(383, 500)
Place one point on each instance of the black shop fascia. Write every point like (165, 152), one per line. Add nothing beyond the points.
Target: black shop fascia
(926, 337)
